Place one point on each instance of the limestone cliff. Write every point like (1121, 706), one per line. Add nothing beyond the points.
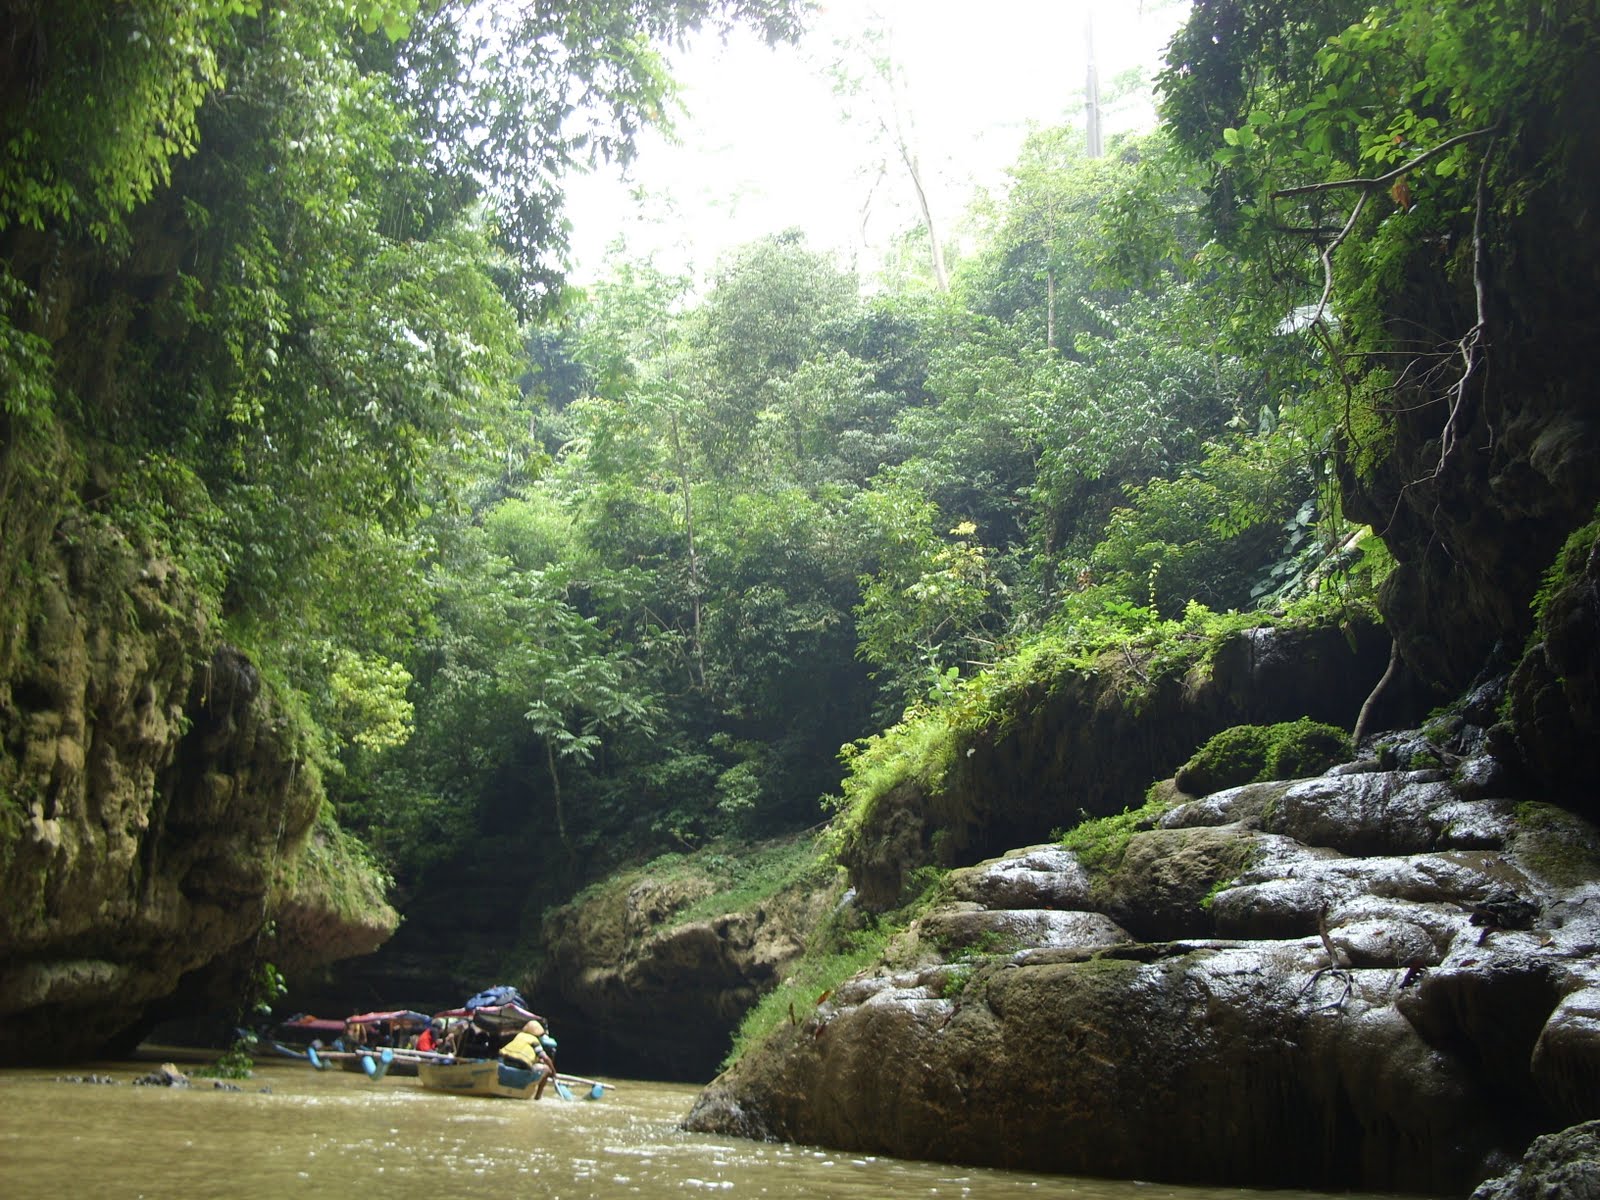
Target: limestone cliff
(1377, 978)
(1475, 493)
(159, 825)
(1089, 742)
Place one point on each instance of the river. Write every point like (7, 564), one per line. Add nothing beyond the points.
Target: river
(294, 1132)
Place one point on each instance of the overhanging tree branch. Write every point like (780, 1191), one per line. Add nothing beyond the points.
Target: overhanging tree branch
(1306, 189)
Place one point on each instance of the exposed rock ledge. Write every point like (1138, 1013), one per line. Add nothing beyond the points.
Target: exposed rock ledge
(661, 993)
(1181, 1018)
(156, 816)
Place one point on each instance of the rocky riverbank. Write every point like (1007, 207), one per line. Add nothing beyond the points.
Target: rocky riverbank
(1385, 977)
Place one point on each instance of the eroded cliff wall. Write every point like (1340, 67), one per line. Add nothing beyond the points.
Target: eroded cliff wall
(159, 824)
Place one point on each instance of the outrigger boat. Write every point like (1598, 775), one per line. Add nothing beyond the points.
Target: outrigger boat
(367, 1034)
(466, 1064)
(374, 1064)
(359, 1043)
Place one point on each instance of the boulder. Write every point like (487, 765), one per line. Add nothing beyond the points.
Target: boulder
(659, 992)
(1088, 744)
(1558, 1166)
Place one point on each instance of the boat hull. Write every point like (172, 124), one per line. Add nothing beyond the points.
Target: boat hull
(479, 1077)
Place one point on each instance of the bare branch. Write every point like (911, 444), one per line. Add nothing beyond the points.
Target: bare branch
(1327, 258)
(1470, 347)
(1372, 698)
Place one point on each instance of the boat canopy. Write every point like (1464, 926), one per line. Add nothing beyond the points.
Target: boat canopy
(399, 1019)
(500, 1018)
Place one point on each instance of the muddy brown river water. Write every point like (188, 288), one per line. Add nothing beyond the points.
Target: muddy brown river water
(336, 1134)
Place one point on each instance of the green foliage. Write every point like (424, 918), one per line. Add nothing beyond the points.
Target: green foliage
(1202, 534)
(236, 1062)
(95, 135)
(370, 704)
(930, 601)
(265, 987)
(1093, 633)
(1370, 161)
(1567, 567)
(27, 394)
(766, 318)
(806, 987)
(339, 871)
(519, 94)
(1100, 842)
(1252, 753)
(749, 877)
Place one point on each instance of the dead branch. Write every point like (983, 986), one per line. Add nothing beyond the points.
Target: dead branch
(1327, 258)
(1127, 654)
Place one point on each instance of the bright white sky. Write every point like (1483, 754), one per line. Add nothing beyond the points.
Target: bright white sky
(764, 146)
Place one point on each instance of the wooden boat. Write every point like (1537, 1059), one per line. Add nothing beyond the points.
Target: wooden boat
(479, 1077)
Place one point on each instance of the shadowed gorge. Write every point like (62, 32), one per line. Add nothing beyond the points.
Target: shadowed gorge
(1121, 650)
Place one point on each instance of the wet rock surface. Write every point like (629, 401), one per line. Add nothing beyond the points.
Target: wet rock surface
(1376, 979)
(1560, 1166)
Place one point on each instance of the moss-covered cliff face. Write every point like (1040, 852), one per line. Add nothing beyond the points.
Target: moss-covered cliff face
(654, 969)
(1555, 691)
(157, 816)
(1089, 742)
(1475, 492)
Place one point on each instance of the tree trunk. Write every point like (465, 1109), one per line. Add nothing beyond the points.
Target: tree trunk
(555, 791)
(1091, 98)
(909, 157)
(697, 647)
(1050, 308)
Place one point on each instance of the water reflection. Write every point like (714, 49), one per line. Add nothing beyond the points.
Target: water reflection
(337, 1134)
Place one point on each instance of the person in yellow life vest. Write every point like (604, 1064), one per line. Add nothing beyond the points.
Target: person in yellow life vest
(527, 1053)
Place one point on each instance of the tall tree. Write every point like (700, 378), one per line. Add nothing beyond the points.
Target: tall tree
(873, 84)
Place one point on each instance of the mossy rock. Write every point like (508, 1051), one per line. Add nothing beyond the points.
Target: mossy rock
(1557, 844)
(1255, 753)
